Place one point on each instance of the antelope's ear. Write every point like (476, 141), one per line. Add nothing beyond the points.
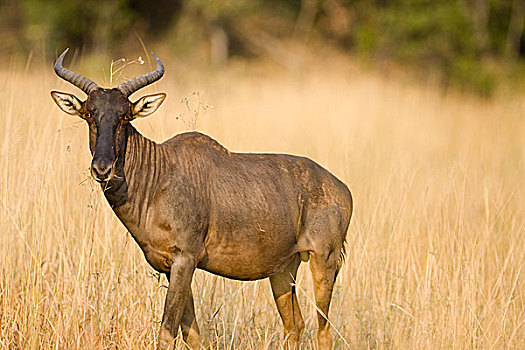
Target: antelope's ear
(147, 105)
(67, 102)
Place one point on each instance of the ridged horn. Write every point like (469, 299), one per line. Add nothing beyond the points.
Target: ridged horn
(132, 85)
(79, 81)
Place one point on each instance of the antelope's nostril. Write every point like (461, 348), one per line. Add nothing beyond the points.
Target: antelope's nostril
(101, 170)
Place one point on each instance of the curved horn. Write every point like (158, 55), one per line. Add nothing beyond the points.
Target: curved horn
(79, 81)
(132, 85)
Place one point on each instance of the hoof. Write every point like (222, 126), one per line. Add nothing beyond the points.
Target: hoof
(291, 341)
(324, 340)
(166, 340)
(193, 342)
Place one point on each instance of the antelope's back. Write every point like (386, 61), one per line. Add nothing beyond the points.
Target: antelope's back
(254, 183)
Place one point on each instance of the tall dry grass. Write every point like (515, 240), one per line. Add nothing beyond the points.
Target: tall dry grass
(435, 248)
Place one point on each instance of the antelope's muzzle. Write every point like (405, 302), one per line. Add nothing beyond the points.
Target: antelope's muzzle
(103, 170)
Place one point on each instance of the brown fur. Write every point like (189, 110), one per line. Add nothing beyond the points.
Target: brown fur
(190, 203)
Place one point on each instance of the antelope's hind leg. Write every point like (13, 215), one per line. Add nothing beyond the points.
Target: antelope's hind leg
(287, 305)
(324, 272)
(326, 229)
(190, 329)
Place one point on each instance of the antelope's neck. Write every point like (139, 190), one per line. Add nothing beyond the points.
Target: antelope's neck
(139, 168)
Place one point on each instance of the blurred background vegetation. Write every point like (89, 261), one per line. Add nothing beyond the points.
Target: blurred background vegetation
(473, 44)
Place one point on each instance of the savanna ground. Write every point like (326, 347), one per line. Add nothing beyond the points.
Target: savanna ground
(435, 247)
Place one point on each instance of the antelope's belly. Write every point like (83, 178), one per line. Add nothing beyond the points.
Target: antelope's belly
(248, 255)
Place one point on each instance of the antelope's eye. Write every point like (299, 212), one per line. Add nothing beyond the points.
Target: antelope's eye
(87, 115)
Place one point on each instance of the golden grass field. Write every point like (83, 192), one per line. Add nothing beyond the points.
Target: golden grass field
(435, 249)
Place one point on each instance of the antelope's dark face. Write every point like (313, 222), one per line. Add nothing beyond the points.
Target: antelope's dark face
(107, 111)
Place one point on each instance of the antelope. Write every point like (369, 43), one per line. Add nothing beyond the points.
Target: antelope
(190, 203)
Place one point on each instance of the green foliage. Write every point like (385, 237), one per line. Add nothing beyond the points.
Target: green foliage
(222, 10)
(500, 12)
(425, 30)
(430, 35)
(471, 75)
(94, 24)
(451, 37)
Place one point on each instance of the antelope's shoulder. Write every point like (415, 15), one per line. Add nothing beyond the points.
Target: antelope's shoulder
(195, 140)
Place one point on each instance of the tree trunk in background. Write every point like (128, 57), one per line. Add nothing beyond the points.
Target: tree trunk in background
(106, 11)
(219, 43)
(515, 31)
(11, 27)
(305, 20)
(481, 16)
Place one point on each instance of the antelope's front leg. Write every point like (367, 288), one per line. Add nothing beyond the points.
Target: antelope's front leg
(179, 289)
